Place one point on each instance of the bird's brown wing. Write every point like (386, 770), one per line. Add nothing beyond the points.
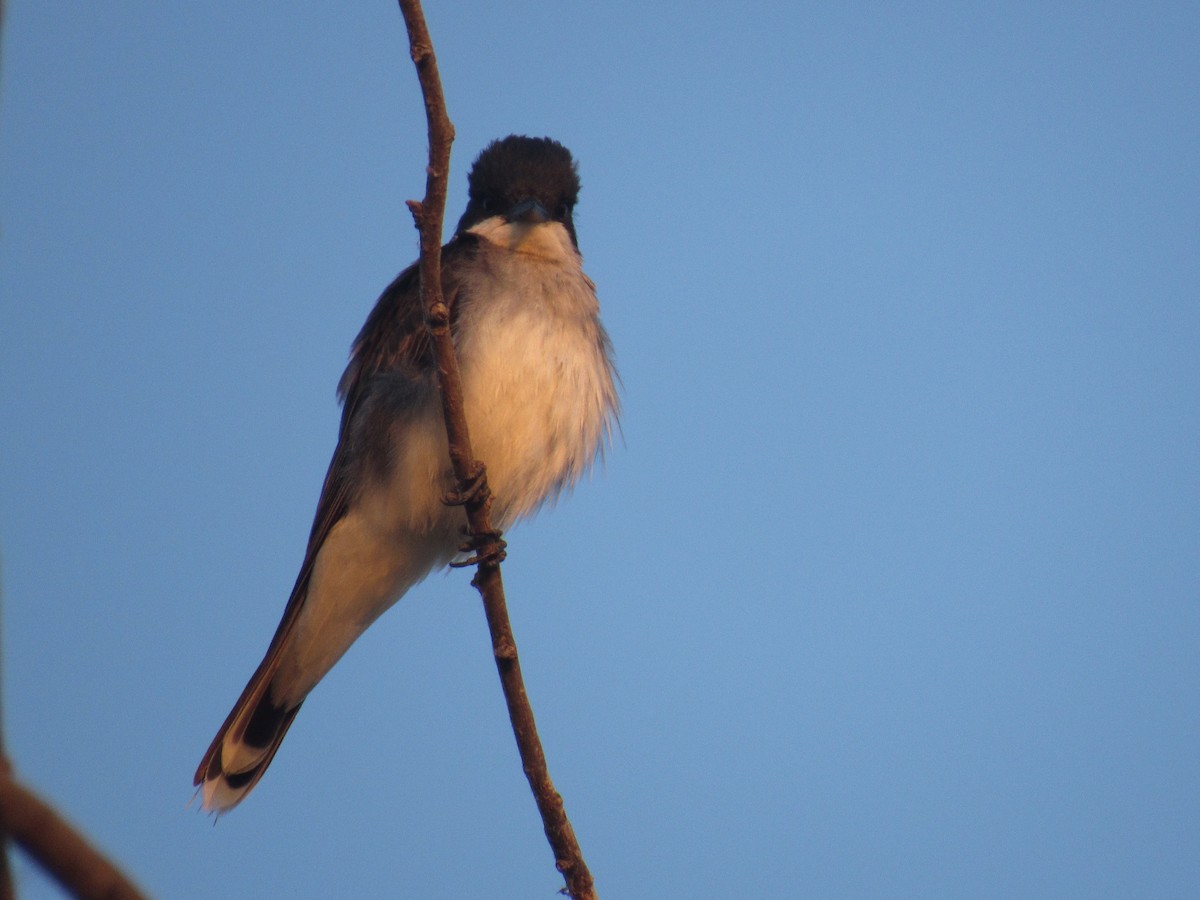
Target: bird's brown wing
(395, 341)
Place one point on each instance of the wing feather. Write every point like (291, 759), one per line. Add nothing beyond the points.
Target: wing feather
(393, 341)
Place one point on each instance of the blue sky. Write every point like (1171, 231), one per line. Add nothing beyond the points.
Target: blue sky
(891, 588)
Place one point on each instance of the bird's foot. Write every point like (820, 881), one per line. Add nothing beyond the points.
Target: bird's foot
(473, 488)
(486, 547)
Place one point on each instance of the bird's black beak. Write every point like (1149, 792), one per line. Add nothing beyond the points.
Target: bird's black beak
(528, 211)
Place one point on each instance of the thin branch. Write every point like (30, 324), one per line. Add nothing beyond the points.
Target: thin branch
(470, 474)
(6, 881)
(60, 849)
(63, 852)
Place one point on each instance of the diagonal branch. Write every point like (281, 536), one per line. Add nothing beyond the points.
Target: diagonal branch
(7, 892)
(33, 825)
(470, 474)
(41, 832)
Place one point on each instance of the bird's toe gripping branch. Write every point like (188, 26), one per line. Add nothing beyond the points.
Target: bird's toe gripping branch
(484, 546)
(473, 489)
(487, 546)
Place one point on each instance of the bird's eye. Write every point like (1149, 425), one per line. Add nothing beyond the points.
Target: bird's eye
(485, 204)
(564, 210)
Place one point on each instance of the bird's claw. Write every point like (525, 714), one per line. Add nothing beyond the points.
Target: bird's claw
(487, 546)
(471, 490)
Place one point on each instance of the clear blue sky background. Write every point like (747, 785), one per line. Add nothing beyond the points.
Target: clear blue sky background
(892, 587)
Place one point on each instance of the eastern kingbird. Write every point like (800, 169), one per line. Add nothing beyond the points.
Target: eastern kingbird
(538, 385)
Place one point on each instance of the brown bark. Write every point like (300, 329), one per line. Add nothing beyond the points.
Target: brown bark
(36, 828)
(471, 474)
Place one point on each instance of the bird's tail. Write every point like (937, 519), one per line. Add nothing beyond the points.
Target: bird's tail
(246, 743)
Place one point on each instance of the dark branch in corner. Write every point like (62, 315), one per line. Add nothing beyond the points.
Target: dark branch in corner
(33, 825)
(41, 832)
(471, 476)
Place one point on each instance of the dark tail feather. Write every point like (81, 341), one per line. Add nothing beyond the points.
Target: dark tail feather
(245, 745)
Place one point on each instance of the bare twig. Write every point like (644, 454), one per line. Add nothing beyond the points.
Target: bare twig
(34, 826)
(60, 849)
(471, 475)
(6, 882)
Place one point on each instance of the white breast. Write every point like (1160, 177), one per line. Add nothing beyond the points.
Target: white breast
(537, 379)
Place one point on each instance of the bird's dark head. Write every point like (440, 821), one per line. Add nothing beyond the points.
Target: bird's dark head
(523, 179)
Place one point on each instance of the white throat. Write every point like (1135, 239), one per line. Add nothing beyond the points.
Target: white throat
(548, 240)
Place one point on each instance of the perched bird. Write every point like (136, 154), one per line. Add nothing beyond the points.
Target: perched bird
(538, 387)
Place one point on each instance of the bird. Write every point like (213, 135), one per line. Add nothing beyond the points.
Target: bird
(541, 402)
